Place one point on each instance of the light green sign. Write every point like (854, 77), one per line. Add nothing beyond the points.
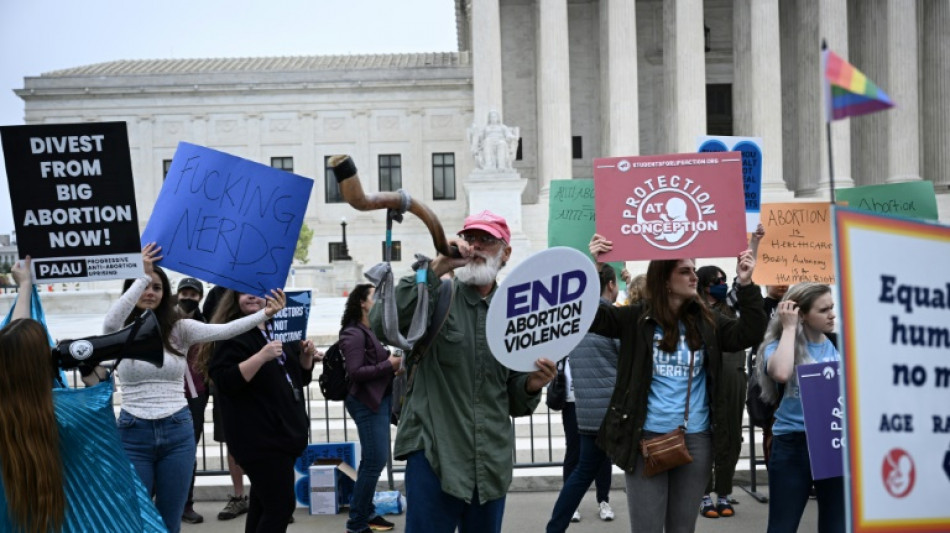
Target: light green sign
(913, 199)
(571, 217)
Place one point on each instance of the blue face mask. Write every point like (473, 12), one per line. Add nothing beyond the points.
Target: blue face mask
(719, 291)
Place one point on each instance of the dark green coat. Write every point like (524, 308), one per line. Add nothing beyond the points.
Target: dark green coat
(620, 432)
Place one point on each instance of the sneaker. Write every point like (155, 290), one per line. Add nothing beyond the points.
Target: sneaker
(378, 523)
(724, 508)
(191, 517)
(237, 505)
(707, 509)
(577, 517)
(606, 513)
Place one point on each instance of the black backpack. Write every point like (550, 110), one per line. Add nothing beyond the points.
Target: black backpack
(334, 381)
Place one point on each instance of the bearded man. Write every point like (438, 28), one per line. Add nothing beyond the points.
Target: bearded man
(455, 428)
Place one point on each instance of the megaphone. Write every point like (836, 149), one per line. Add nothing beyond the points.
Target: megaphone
(141, 340)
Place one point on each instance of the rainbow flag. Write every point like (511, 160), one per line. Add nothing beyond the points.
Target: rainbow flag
(848, 91)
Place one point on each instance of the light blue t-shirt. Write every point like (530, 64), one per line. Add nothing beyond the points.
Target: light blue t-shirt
(790, 417)
(667, 400)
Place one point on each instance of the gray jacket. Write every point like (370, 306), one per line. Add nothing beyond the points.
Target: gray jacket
(593, 373)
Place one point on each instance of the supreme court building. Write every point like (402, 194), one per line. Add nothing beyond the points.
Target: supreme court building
(581, 79)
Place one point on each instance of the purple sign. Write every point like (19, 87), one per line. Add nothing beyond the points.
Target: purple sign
(824, 429)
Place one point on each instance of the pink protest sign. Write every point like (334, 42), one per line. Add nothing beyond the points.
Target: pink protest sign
(670, 206)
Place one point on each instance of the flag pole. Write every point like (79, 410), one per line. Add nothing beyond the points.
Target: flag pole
(831, 165)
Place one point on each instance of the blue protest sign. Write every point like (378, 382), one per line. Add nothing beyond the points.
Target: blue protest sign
(751, 148)
(290, 324)
(822, 404)
(228, 220)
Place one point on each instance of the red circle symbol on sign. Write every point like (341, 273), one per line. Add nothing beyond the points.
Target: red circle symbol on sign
(898, 473)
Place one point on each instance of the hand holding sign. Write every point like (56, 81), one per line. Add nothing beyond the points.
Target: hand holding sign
(275, 302)
(537, 380)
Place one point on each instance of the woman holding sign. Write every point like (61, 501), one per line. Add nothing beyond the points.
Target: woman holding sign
(668, 390)
(155, 424)
(797, 334)
(260, 386)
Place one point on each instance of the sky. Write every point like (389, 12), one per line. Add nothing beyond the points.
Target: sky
(38, 36)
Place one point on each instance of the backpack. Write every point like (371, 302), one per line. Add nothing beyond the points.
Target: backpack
(334, 381)
(760, 412)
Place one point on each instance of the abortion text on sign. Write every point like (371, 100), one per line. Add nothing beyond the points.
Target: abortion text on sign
(73, 200)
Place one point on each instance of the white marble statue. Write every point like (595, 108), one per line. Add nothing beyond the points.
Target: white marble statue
(494, 146)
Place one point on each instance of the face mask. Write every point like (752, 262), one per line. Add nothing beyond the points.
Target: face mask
(188, 306)
(718, 292)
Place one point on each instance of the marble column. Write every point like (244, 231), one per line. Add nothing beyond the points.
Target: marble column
(935, 95)
(757, 87)
(486, 58)
(306, 163)
(554, 95)
(148, 192)
(883, 44)
(817, 20)
(684, 75)
(254, 137)
(619, 78)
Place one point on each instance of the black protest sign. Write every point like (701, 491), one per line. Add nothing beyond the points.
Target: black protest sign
(73, 200)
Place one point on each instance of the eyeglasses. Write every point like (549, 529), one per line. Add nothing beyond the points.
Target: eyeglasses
(721, 281)
(483, 238)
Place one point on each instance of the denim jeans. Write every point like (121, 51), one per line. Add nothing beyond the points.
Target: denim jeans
(374, 432)
(790, 482)
(589, 466)
(430, 510)
(163, 454)
(572, 454)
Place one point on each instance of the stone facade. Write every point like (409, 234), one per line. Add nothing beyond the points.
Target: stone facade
(622, 78)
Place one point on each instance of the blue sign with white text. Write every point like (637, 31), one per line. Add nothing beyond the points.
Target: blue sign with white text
(290, 323)
(824, 427)
(227, 220)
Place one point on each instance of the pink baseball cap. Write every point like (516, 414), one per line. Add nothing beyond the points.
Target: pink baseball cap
(489, 222)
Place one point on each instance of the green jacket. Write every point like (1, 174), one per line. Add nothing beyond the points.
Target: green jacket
(459, 408)
(620, 432)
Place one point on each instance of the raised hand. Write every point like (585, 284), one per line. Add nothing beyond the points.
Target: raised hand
(788, 313)
(150, 255)
(22, 273)
(745, 265)
(599, 245)
(275, 302)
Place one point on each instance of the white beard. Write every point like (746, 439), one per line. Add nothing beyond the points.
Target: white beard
(481, 274)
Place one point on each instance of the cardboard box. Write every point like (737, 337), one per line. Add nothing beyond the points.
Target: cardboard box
(347, 452)
(323, 497)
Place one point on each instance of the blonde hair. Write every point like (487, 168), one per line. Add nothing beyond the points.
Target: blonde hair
(804, 295)
(30, 461)
(636, 289)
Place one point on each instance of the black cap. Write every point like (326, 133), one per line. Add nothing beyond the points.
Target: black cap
(191, 283)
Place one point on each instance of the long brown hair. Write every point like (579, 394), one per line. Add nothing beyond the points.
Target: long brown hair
(659, 308)
(29, 437)
(227, 309)
(164, 312)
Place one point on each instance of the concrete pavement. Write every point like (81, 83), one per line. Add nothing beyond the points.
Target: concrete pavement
(528, 512)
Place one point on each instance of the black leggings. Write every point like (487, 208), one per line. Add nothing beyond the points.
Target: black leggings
(272, 501)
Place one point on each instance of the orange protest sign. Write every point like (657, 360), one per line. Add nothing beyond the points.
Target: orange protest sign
(797, 245)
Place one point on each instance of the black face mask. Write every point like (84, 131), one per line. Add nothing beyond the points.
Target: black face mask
(188, 306)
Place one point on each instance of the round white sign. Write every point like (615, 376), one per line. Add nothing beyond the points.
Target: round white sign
(543, 309)
(80, 350)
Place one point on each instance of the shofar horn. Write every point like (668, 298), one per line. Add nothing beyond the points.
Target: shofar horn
(349, 181)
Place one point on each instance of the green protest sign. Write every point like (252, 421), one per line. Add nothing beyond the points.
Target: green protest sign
(571, 217)
(913, 199)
